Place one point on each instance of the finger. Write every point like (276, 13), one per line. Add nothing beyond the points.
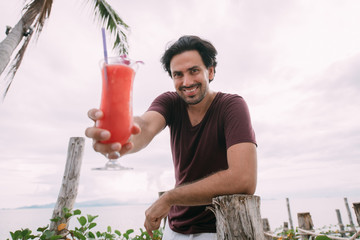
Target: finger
(126, 147)
(95, 114)
(97, 134)
(148, 229)
(107, 148)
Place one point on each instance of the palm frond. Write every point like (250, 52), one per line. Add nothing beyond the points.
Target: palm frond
(36, 12)
(109, 18)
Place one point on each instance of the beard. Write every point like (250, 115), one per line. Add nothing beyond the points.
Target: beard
(194, 99)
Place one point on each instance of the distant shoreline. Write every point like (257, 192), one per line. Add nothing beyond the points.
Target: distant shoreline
(94, 203)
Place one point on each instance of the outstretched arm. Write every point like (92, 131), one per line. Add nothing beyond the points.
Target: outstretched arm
(239, 178)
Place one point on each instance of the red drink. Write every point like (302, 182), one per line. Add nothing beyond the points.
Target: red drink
(116, 100)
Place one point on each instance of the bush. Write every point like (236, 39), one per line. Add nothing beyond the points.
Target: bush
(83, 232)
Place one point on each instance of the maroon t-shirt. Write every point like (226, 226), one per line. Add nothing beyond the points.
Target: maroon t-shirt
(200, 150)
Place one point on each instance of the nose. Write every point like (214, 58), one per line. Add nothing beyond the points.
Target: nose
(187, 80)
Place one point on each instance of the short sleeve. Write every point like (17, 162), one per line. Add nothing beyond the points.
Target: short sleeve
(164, 104)
(237, 122)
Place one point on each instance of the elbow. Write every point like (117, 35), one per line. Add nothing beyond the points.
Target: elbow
(245, 185)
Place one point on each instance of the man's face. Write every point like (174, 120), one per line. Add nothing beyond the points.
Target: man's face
(191, 77)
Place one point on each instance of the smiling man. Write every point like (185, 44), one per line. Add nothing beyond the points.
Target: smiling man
(212, 142)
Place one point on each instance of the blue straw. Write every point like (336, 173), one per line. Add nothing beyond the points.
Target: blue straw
(104, 45)
(105, 58)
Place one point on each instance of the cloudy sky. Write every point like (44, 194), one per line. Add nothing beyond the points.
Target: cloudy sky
(296, 63)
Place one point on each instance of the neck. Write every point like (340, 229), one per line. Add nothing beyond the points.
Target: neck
(202, 106)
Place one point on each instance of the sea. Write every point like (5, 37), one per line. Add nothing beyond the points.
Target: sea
(124, 217)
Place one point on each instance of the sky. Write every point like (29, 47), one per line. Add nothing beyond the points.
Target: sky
(296, 63)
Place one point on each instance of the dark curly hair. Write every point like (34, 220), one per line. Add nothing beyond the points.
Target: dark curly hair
(186, 43)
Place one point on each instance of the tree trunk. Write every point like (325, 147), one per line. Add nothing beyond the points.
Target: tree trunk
(70, 183)
(10, 43)
(238, 217)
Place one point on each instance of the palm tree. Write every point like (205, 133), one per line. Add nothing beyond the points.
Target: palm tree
(35, 14)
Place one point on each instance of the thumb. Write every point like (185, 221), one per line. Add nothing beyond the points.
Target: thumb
(135, 129)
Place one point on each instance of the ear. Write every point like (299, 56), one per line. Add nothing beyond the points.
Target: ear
(211, 71)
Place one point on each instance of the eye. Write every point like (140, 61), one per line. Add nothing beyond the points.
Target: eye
(177, 75)
(194, 70)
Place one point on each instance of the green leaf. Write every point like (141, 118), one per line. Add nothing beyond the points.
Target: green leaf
(109, 229)
(130, 231)
(98, 234)
(26, 232)
(109, 236)
(42, 229)
(82, 220)
(48, 234)
(92, 225)
(68, 215)
(91, 218)
(55, 219)
(16, 234)
(118, 233)
(77, 212)
(79, 235)
(91, 235)
(322, 238)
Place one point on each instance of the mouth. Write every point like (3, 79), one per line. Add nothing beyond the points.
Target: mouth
(190, 90)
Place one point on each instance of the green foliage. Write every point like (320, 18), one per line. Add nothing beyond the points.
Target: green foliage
(322, 238)
(83, 232)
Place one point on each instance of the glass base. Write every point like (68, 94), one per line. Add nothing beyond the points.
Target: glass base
(112, 166)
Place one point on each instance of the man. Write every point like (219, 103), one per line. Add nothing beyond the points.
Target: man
(212, 141)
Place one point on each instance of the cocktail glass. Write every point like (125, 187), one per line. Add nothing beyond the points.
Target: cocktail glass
(116, 102)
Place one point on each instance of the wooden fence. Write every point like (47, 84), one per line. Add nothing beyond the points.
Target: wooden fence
(306, 226)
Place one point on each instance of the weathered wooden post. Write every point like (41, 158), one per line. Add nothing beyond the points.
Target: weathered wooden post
(341, 225)
(266, 228)
(286, 226)
(238, 217)
(357, 211)
(70, 182)
(305, 222)
(352, 226)
(289, 213)
(266, 225)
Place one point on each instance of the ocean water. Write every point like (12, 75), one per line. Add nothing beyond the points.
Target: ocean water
(322, 210)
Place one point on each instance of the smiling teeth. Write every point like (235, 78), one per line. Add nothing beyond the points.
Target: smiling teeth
(190, 90)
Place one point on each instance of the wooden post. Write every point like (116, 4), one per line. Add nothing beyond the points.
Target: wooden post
(266, 228)
(289, 213)
(305, 222)
(357, 211)
(286, 226)
(266, 225)
(238, 217)
(341, 225)
(70, 182)
(352, 226)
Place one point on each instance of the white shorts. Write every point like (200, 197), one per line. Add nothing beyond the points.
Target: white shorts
(171, 235)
